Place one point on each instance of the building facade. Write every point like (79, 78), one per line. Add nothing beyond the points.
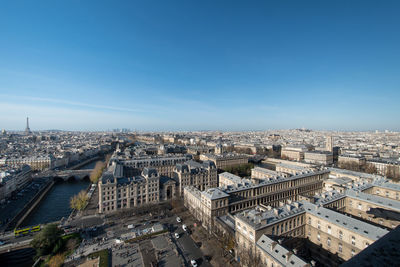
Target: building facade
(200, 175)
(116, 191)
(225, 160)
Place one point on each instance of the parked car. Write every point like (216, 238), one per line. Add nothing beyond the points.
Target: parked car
(194, 263)
(178, 219)
(176, 235)
(184, 227)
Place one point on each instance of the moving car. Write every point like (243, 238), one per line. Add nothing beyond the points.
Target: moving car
(194, 263)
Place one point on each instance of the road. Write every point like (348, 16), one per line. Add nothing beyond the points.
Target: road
(186, 246)
(189, 248)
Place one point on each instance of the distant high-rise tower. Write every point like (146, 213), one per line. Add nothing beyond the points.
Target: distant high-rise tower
(27, 130)
(329, 143)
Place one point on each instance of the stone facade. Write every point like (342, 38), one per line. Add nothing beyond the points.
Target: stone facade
(200, 175)
(319, 157)
(246, 195)
(225, 160)
(165, 165)
(119, 192)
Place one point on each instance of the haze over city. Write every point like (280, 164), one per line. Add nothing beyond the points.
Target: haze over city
(200, 65)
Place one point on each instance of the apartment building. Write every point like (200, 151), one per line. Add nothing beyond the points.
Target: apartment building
(337, 233)
(240, 196)
(383, 188)
(292, 169)
(116, 191)
(35, 162)
(350, 159)
(364, 206)
(165, 165)
(225, 160)
(319, 157)
(13, 179)
(386, 167)
(355, 176)
(263, 173)
(317, 227)
(379, 210)
(200, 175)
(293, 152)
(272, 254)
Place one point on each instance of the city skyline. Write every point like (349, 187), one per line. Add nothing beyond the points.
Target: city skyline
(200, 66)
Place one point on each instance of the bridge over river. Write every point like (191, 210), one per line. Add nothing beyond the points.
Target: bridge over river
(66, 174)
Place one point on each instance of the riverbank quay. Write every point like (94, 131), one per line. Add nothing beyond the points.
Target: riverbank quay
(19, 208)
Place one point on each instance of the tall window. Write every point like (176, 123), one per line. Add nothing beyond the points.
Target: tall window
(328, 241)
(340, 248)
(329, 230)
(319, 237)
(353, 240)
(340, 235)
(318, 225)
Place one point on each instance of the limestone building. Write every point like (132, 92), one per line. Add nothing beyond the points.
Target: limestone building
(225, 160)
(240, 196)
(293, 152)
(316, 227)
(165, 164)
(118, 191)
(200, 175)
(263, 173)
(319, 157)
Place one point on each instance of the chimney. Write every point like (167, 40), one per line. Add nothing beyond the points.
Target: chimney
(273, 244)
(280, 241)
(276, 212)
(313, 262)
(288, 255)
(295, 251)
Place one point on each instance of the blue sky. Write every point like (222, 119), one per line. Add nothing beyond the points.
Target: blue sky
(200, 65)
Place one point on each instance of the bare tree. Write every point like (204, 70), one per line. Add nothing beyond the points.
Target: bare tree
(249, 257)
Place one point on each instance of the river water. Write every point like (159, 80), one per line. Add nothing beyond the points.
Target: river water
(55, 205)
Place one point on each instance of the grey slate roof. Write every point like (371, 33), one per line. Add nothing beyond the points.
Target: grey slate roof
(214, 193)
(365, 229)
(279, 253)
(381, 201)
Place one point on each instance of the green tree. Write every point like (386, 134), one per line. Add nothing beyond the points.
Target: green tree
(44, 241)
(97, 171)
(79, 201)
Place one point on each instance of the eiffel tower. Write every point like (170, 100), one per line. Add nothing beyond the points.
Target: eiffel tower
(27, 130)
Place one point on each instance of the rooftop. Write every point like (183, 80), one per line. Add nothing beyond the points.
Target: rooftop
(365, 229)
(214, 193)
(279, 253)
(373, 199)
(260, 217)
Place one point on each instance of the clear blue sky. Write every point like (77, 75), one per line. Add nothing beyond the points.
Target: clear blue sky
(193, 65)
